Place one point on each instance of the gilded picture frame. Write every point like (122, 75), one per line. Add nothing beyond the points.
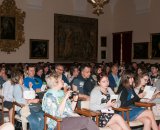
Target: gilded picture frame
(11, 26)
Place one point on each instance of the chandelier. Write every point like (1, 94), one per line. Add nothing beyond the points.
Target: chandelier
(98, 5)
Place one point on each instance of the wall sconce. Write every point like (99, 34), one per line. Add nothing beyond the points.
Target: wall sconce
(98, 5)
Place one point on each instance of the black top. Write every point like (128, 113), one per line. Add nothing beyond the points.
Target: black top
(125, 102)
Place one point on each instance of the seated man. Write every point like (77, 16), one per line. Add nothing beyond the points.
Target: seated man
(31, 79)
(59, 69)
(114, 78)
(83, 83)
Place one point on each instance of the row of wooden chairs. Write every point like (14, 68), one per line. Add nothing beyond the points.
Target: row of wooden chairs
(84, 111)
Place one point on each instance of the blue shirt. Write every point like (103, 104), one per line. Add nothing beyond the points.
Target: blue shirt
(37, 82)
(112, 82)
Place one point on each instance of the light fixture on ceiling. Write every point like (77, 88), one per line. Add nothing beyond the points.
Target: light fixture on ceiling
(98, 5)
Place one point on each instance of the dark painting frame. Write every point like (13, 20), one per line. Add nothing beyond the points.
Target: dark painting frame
(140, 50)
(103, 54)
(75, 38)
(39, 49)
(155, 45)
(103, 41)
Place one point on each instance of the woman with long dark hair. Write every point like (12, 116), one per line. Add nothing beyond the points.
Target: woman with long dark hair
(129, 97)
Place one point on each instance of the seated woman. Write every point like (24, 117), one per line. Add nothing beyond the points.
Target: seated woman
(100, 101)
(57, 103)
(8, 97)
(35, 116)
(129, 97)
(140, 83)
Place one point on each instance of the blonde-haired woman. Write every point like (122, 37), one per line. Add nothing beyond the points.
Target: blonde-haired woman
(57, 103)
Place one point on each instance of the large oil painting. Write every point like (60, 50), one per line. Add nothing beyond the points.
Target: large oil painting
(75, 38)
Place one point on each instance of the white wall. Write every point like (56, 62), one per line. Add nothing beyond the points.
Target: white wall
(139, 16)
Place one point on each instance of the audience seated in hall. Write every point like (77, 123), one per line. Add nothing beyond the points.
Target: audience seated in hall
(82, 82)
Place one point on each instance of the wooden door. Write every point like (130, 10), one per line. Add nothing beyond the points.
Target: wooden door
(122, 47)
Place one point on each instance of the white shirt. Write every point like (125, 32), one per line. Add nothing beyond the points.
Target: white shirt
(8, 91)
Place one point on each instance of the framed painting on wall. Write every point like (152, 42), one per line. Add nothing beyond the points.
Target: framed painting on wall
(39, 49)
(140, 50)
(103, 41)
(75, 38)
(103, 54)
(155, 45)
(8, 28)
(11, 26)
